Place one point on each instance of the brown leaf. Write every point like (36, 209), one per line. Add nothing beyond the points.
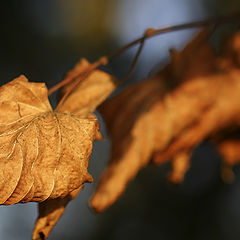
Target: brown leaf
(36, 145)
(90, 92)
(50, 211)
(224, 112)
(197, 53)
(180, 165)
(160, 120)
(44, 154)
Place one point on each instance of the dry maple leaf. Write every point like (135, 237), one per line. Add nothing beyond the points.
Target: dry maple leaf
(164, 117)
(45, 153)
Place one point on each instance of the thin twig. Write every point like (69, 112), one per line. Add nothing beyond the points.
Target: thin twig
(155, 32)
(149, 33)
(134, 62)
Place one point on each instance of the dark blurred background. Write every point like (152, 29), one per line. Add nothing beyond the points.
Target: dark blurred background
(43, 40)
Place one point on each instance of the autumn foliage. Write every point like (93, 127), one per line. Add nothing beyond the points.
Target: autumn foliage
(44, 153)
(162, 118)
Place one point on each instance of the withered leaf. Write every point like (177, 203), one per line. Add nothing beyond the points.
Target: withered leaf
(50, 212)
(229, 149)
(180, 165)
(90, 92)
(161, 121)
(44, 154)
(36, 143)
